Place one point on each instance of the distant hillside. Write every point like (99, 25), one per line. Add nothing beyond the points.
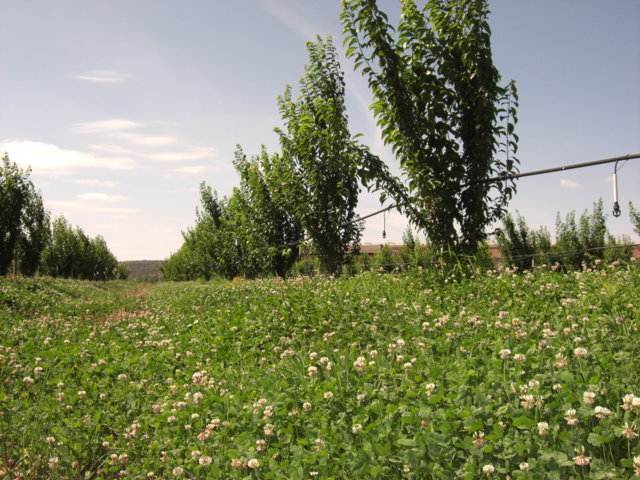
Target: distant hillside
(144, 269)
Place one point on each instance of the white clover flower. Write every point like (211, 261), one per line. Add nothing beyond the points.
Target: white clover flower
(601, 412)
(253, 463)
(543, 428)
(178, 471)
(627, 401)
(580, 352)
(328, 395)
(581, 460)
(524, 466)
(520, 357)
(488, 469)
(571, 417)
(589, 398)
(505, 353)
(205, 460)
(360, 364)
(628, 432)
(312, 371)
(356, 428)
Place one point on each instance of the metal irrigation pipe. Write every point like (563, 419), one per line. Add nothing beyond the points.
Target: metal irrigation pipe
(602, 161)
(556, 169)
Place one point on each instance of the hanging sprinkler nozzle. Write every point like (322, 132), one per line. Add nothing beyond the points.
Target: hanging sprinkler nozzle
(384, 225)
(616, 206)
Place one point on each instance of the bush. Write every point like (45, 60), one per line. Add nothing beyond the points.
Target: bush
(386, 260)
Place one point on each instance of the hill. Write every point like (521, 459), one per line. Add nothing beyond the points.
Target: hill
(144, 269)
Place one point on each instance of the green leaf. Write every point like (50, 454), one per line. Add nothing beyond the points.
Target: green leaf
(524, 422)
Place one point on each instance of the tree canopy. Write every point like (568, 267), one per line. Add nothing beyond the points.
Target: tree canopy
(440, 105)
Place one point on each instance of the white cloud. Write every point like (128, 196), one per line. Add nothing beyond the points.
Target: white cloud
(608, 179)
(100, 76)
(569, 184)
(146, 140)
(91, 181)
(192, 169)
(114, 149)
(194, 154)
(110, 226)
(104, 126)
(101, 197)
(66, 206)
(48, 158)
(181, 156)
(160, 230)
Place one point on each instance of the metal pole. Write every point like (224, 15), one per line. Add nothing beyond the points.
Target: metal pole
(556, 169)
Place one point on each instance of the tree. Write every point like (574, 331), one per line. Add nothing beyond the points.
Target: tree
(72, 254)
(320, 162)
(515, 242)
(271, 232)
(439, 104)
(583, 241)
(35, 233)
(23, 220)
(211, 247)
(634, 216)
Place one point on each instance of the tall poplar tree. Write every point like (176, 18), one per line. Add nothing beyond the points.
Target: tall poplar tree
(320, 161)
(440, 105)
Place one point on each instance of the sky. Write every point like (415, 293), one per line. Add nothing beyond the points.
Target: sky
(122, 108)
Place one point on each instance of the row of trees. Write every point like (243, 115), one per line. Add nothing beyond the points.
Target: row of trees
(30, 243)
(578, 241)
(440, 106)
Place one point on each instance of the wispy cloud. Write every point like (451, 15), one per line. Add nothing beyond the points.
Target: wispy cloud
(66, 206)
(146, 140)
(92, 181)
(176, 156)
(569, 184)
(104, 126)
(101, 197)
(289, 18)
(608, 179)
(48, 158)
(100, 76)
(181, 156)
(193, 169)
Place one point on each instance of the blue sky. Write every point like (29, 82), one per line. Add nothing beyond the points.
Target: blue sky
(123, 107)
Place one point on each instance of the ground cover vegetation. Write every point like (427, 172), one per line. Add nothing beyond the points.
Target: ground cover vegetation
(30, 243)
(414, 375)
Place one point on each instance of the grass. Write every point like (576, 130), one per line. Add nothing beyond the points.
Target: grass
(373, 376)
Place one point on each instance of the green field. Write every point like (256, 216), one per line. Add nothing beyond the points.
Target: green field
(533, 375)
